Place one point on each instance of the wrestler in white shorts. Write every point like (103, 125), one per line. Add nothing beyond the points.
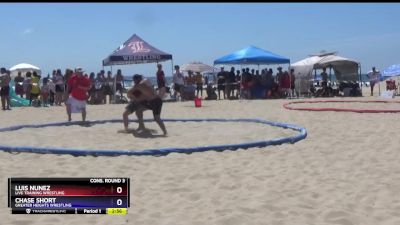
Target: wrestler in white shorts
(76, 105)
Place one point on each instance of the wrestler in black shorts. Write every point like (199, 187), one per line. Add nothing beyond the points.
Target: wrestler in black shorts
(154, 105)
(133, 106)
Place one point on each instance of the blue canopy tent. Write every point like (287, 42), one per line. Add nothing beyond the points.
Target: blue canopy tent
(136, 51)
(252, 55)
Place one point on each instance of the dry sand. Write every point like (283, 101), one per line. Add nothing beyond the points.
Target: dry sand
(345, 172)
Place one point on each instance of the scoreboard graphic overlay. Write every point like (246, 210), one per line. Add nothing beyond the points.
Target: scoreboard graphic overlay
(69, 195)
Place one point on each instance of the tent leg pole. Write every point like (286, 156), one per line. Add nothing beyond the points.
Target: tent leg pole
(172, 69)
(241, 82)
(112, 97)
(360, 78)
(315, 74)
(172, 66)
(379, 85)
(290, 84)
(114, 87)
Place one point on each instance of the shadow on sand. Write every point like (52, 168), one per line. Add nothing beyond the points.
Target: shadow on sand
(146, 133)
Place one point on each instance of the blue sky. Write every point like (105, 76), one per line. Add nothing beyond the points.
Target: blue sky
(67, 35)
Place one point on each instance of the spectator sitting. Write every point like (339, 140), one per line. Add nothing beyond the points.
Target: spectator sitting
(211, 93)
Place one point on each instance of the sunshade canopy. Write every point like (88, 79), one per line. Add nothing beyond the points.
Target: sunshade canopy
(344, 68)
(252, 55)
(23, 68)
(134, 51)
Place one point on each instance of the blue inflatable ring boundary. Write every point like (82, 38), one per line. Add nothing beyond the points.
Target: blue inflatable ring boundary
(154, 152)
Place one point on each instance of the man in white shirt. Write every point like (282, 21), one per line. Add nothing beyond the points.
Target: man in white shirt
(179, 81)
(373, 79)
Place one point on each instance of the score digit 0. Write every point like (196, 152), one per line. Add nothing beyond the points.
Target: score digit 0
(119, 190)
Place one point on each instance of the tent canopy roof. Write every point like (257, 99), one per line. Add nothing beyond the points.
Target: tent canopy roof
(134, 51)
(24, 66)
(334, 60)
(252, 55)
(344, 68)
(319, 62)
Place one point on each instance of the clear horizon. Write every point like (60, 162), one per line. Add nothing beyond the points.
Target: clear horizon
(69, 35)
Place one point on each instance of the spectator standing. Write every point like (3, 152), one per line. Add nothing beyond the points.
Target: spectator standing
(79, 85)
(161, 83)
(374, 77)
(5, 88)
(18, 84)
(119, 85)
(179, 81)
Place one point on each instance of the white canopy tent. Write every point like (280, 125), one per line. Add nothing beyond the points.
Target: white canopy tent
(23, 68)
(344, 69)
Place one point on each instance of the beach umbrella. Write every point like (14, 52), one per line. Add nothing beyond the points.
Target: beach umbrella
(392, 71)
(197, 67)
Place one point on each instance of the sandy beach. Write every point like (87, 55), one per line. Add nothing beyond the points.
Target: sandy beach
(345, 172)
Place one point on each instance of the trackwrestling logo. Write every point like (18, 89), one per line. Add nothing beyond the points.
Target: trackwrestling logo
(137, 46)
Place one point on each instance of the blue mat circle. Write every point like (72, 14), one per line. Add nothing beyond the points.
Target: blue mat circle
(163, 151)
